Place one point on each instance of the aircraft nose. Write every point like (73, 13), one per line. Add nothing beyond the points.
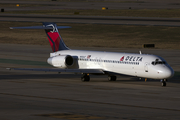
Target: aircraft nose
(167, 73)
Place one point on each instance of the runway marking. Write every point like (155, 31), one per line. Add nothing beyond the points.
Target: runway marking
(116, 104)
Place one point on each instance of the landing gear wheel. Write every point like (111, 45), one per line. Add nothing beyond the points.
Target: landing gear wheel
(164, 83)
(112, 78)
(85, 77)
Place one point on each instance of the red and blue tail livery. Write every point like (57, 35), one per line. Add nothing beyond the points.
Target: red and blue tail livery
(53, 35)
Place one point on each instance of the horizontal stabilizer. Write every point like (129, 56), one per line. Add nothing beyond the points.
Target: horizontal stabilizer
(40, 27)
(52, 33)
(99, 71)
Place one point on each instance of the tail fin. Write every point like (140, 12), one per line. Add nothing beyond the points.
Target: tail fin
(54, 37)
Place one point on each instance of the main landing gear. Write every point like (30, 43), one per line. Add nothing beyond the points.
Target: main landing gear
(112, 78)
(85, 77)
(163, 82)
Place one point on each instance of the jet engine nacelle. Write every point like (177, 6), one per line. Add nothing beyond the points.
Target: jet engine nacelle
(62, 61)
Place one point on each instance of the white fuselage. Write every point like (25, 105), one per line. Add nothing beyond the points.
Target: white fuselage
(140, 65)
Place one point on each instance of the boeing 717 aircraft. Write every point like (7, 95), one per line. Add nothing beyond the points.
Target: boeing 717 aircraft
(95, 62)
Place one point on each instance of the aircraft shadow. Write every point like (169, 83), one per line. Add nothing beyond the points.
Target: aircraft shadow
(94, 78)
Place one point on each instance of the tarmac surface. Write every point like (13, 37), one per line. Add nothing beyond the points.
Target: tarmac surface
(113, 20)
(30, 95)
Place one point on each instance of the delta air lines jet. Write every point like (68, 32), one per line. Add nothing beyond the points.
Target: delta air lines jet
(95, 62)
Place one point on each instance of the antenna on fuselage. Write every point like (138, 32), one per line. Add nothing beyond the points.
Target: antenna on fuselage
(140, 52)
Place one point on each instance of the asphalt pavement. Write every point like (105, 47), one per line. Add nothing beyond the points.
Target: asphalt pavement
(44, 95)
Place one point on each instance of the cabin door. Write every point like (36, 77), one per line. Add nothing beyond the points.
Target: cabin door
(146, 67)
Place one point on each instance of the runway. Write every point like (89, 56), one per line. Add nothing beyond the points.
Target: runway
(112, 20)
(90, 5)
(44, 96)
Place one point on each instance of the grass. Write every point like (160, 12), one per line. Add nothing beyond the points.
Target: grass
(167, 13)
(93, 35)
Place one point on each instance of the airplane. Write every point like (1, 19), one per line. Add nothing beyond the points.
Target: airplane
(111, 64)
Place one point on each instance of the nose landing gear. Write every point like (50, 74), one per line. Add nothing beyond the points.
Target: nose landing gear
(163, 82)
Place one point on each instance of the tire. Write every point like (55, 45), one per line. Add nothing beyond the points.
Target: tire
(85, 78)
(163, 83)
(112, 78)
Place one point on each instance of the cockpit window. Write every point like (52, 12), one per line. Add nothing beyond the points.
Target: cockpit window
(158, 62)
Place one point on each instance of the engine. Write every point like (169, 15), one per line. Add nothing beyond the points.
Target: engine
(62, 61)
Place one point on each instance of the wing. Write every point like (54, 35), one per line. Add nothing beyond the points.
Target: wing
(91, 71)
